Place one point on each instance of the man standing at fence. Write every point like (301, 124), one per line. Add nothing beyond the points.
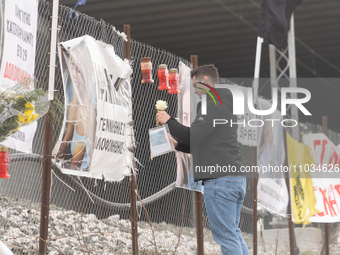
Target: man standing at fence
(216, 159)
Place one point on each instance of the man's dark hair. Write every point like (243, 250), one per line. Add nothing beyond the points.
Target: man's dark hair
(206, 70)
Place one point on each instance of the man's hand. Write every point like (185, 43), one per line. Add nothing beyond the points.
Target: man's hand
(162, 117)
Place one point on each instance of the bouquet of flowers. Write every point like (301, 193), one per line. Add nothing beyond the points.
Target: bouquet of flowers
(19, 107)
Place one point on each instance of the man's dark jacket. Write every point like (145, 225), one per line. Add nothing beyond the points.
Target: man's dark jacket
(209, 145)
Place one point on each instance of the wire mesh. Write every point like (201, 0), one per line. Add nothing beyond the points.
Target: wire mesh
(87, 215)
(96, 198)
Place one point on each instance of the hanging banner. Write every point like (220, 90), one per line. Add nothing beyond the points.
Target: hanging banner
(272, 191)
(325, 174)
(187, 102)
(18, 36)
(301, 189)
(96, 131)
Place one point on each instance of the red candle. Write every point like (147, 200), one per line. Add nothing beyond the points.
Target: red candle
(146, 67)
(174, 81)
(163, 77)
(4, 162)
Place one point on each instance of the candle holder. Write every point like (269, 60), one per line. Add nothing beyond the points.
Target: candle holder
(4, 162)
(174, 81)
(163, 77)
(146, 67)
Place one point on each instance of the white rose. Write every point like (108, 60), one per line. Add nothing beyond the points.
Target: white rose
(161, 105)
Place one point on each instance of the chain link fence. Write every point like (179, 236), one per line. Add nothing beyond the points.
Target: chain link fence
(90, 216)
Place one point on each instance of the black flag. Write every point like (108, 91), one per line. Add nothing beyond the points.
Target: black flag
(275, 21)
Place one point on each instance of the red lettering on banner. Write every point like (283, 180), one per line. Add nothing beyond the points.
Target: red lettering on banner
(332, 201)
(334, 156)
(329, 197)
(337, 188)
(316, 143)
(14, 73)
(326, 202)
(320, 214)
(327, 193)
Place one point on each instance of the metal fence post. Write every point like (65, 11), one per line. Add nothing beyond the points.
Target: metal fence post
(198, 196)
(132, 180)
(255, 203)
(48, 144)
(289, 209)
(326, 225)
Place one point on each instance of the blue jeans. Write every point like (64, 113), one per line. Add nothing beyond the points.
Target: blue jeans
(223, 199)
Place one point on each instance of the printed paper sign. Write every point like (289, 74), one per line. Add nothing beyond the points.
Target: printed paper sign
(95, 136)
(272, 191)
(326, 190)
(18, 36)
(187, 102)
(160, 142)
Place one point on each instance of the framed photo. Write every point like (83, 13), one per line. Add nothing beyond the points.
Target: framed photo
(160, 142)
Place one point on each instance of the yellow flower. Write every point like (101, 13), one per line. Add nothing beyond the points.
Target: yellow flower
(21, 119)
(28, 113)
(34, 116)
(27, 117)
(29, 106)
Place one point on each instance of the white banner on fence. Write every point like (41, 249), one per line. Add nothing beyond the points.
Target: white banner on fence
(187, 102)
(18, 36)
(272, 193)
(326, 190)
(95, 136)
